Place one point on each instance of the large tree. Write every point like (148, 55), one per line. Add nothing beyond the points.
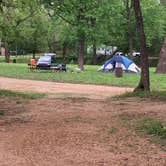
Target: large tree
(161, 66)
(91, 22)
(73, 13)
(144, 83)
(12, 14)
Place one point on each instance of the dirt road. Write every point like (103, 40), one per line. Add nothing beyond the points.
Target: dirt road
(66, 89)
(75, 131)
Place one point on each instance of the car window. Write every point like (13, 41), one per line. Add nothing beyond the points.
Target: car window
(44, 58)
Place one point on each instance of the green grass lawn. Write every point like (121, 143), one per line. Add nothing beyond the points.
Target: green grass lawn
(89, 76)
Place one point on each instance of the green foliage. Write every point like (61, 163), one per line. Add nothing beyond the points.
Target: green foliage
(154, 23)
(28, 26)
(17, 12)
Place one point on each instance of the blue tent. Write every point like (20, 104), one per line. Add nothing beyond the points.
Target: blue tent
(119, 61)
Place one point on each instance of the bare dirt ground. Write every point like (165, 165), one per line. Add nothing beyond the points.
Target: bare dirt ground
(74, 130)
(62, 89)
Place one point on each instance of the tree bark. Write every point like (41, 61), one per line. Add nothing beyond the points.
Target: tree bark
(94, 54)
(7, 54)
(144, 83)
(53, 44)
(163, 2)
(130, 31)
(64, 49)
(161, 67)
(81, 50)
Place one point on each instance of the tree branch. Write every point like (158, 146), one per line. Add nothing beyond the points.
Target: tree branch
(18, 22)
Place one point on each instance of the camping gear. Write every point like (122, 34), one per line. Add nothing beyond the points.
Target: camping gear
(126, 64)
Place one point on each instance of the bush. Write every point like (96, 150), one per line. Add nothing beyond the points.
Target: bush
(68, 59)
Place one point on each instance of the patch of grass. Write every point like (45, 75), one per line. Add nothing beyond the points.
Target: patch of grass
(142, 94)
(152, 126)
(28, 95)
(1, 113)
(89, 76)
(73, 119)
(154, 129)
(112, 130)
(72, 96)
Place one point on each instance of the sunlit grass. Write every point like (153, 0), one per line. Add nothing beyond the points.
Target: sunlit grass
(89, 76)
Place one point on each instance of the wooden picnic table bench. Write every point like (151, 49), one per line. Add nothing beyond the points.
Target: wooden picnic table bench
(31, 67)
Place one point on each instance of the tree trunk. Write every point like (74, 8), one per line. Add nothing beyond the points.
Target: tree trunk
(163, 2)
(34, 53)
(53, 44)
(7, 55)
(130, 31)
(64, 49)
(81, 50)
(161, 67)
(144, 83)
(130, 45)
(94, 54)
(35, 47)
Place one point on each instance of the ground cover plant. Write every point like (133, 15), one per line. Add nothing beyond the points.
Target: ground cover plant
(149, 126)
(153, 127)
(26, 95)
(160, 95)
(13, 103)
(89, 76)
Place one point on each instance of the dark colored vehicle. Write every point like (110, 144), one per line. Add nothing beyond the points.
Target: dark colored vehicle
(62, 67)
(48, 60)
(44, 62)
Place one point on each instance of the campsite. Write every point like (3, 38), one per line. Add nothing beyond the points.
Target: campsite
(121, 61)
(82, 83)
(77, 124)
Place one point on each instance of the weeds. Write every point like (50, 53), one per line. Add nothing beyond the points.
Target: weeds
(28, 95)
(143, 94)
(112, 130)
(153, 127)
(145, 126)
(1, 112)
